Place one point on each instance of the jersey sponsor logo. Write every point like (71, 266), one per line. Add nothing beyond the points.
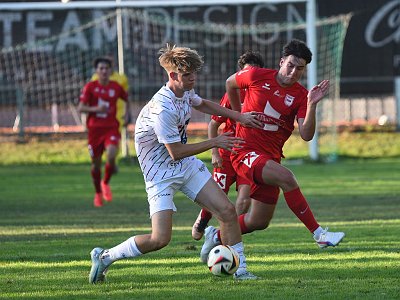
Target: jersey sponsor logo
(96, 89)
(220, 179)
(111, 92)
(113, 138)
(289, 100)
(249, 158)
(171, 136)
(266, 86)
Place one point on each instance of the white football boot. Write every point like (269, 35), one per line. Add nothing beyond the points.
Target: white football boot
(329, 239)
(209, 243)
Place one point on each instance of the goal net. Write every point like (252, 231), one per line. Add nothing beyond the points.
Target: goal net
(40, 81)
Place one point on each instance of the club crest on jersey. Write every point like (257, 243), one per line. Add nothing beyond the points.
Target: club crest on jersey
(289, 100)
(220, 179)
(249, 158)
(111, 92)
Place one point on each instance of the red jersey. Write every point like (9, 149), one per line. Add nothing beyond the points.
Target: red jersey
(230, 125)
(94, 94)
(277, 106)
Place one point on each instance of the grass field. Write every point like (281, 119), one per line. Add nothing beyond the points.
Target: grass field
(48, 227)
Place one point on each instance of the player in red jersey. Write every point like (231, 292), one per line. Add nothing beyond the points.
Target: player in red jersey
(279, 99)
(223, 171)
(99, 101)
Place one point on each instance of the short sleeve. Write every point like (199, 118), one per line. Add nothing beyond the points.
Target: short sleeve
(166, 128)
(301, 113)
(85, 95)
(194, 98)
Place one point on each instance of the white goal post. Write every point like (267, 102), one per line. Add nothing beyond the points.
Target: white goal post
(309, 27)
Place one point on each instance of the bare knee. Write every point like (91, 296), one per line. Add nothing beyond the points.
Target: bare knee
(289, 181)
(160, 242)
(227, 214)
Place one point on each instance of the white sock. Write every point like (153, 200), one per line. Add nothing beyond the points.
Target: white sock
(242, 259)
(124, 250)
(318, 232)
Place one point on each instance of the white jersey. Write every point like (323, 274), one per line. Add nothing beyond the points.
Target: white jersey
(163, 120)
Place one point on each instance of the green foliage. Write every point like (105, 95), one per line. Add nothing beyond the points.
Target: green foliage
(48, 227)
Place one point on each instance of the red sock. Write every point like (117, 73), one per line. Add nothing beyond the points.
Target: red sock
(298, 204)
(108, 171)
(206, 215)
(96, 177)
(243, 227)
(219, 235)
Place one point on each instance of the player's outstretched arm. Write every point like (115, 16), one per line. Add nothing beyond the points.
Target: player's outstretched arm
(248, 119)
(83, 108)
(226, 141)
(315, 95)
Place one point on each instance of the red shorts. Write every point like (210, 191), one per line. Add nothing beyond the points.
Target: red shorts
(99, 138)
(249, 166)
(226, 175)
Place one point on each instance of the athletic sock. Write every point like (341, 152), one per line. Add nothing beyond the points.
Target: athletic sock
(126, 249)
(243, 227)
(96, 177)
(318, 232)
(242, 259)
(298, 204)
(205, 215)
(108, 171)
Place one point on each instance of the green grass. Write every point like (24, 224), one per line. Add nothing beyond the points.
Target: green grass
(48, 227)
(347, 144)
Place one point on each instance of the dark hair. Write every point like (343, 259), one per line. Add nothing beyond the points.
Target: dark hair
(250, 58)
(297, 48)
(102, 59)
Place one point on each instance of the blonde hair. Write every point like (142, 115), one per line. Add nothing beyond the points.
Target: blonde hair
(180, 59)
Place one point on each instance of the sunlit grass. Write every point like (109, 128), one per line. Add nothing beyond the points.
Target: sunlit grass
(48, 227)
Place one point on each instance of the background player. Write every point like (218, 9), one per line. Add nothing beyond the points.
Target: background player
(279, 99)
(123, 114)
(223, 172)
(168, 163)
(99, 101)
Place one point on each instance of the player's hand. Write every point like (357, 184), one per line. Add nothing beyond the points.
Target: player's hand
(216, 160)
(249, 119)
(102, 109)
(227, 141)
(318, 92)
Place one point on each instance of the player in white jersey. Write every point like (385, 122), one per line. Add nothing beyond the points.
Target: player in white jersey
(168, 163)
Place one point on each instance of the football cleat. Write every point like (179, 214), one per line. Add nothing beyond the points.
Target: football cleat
(105, 188)
(198, 228)
(98, 200)
(245, 275)
(209, 243)
(329, 239)
(98, 271)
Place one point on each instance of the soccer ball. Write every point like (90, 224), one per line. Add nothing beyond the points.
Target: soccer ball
(223, 260)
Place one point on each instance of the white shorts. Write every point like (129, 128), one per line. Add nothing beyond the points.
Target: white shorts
(190, 181)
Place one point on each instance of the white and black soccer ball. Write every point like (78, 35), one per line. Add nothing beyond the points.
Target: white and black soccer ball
(223, 260)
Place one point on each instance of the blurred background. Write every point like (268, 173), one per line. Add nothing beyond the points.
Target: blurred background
(47, 49)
